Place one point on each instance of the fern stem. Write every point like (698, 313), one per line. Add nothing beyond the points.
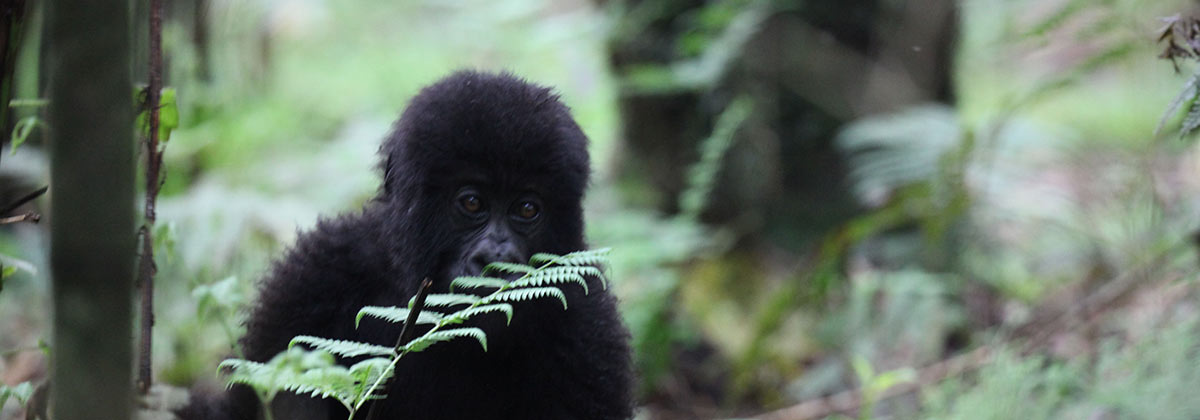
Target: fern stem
(401, 343)
(406, 332)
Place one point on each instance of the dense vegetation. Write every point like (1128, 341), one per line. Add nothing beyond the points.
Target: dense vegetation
(1012, 239)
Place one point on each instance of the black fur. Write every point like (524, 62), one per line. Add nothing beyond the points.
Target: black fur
(507, 137)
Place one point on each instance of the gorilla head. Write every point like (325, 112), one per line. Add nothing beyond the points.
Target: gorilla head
(484, 168)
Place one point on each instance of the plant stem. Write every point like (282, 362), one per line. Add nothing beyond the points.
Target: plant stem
(412, 319)
(146, 267)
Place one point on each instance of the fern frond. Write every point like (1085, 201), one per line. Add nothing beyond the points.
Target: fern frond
(505, 267)
(465, 314)
(585, 257)
(396, 315)
(342, 348)
(543, 258)
(249, 368)
(424, 341)
(255, 376)
(701, 177)
(891, 151)
(371, 368)
(325, 382)
(558, 275)
(368, 372)
(530, 293)
(1188, 93)
(448, 299)
(1191, 121)
(292, 370)
(315, 390)
(471, 282)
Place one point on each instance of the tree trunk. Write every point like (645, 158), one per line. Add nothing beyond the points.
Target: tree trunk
(92, 212)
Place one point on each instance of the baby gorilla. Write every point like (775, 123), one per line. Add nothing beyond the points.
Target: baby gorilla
(479, 168)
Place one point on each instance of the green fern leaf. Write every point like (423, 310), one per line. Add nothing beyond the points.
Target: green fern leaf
(543, 258)
(1189, 92)
(236, 364)
(309, 372)
(395, 314)
(504, 267)
(325, 382)
(370, 369)
(423, 342)
(892, 151)
(465, 314)
(315, 391)
(586, 257)
(581, 271)
(701, 177)
(342, 348)
(471, 282)
(368, 372)
(1191, 121)
(448, 299)
(520, 295)
(558, 275)
(314, 373)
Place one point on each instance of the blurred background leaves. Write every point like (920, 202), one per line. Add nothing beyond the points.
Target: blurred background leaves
(806, 200)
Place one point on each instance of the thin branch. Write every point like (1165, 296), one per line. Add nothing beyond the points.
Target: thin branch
(407, 331)
(20, 201)
(146, 268)
(27, 217)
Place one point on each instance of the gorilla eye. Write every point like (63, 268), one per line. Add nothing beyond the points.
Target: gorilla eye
(527, 210)
(471, 203)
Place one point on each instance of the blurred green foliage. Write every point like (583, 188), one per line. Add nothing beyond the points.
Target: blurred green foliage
(1149, 379)
(1040, 184)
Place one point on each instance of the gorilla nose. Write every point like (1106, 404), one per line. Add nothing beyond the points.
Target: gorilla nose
(495, 253)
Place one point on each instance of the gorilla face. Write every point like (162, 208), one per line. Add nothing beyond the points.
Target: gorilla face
(494, 224)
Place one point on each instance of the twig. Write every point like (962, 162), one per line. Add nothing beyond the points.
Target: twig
(146, 268)
(418, 305)
(31, 217)
(20, 201)
(407, 331)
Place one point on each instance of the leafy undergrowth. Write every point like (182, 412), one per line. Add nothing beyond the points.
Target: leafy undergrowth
(1154, 378)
